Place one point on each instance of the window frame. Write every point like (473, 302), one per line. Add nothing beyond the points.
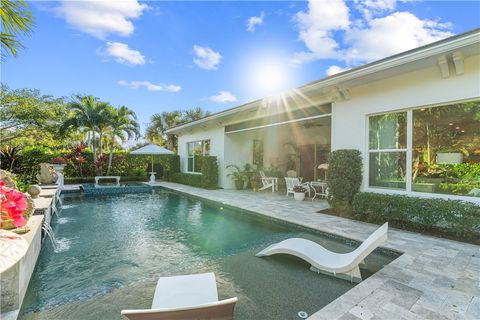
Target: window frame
(409, 156)
(204, 153)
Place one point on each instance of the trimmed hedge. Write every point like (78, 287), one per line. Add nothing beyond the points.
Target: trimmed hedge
(75, 180)
(191, 179)
(344, 177)
(454, 217)
(208, 178)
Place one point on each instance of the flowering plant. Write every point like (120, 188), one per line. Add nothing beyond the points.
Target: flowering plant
(13, 205)
(58, 160)
(299, 189)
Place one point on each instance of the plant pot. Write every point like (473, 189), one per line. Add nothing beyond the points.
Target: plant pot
(239, 184)
(299, 196)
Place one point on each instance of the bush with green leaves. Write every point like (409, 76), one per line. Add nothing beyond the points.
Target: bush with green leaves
(191, 179)
(455, 217)
(344, 177)
(208, 178)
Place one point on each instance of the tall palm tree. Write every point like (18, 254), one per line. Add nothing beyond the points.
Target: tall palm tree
(16, 19)
(123, 126)
(161, 122)
(90, 116)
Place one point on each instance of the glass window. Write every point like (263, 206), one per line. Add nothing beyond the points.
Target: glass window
(446, 149)
(195, 150)
(387, 150)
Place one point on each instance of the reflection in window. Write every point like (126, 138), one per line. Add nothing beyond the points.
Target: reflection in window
(387, 150)
(196, 150)
(446, 149)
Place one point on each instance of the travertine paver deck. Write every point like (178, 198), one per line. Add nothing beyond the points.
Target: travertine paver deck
(434, 278)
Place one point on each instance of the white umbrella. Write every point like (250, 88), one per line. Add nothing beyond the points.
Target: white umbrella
(152, 149)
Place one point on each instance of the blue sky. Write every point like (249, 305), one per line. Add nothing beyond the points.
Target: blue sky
(154, 56)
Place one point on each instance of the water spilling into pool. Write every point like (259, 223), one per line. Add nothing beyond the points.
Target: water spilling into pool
(118, 246)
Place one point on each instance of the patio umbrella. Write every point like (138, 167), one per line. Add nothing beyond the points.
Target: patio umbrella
(153, 150)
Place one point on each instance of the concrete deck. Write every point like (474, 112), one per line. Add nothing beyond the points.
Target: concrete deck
(433, 279)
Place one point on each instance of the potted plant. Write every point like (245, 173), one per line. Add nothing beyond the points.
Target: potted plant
(59, 163)
(299, 193)
(256, 182)
(237, 176)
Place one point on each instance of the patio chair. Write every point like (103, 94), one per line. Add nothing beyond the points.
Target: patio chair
(186, 297)
(268, 182)
(340, 265)
(293, 182)
(319, 188)
(291, 173)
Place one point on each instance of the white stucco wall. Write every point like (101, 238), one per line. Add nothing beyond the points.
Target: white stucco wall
(216, 137)
(421, 88)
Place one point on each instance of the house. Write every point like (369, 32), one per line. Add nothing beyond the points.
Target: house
(415, 117)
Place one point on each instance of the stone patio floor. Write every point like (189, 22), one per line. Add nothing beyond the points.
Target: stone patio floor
(433, 279)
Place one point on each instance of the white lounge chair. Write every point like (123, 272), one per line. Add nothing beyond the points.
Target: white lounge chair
(340, 265)
(188, 297)
(268, 182)
(293, 182)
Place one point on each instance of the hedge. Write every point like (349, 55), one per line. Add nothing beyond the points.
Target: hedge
(208, 178)
(344, 177)
(454, 217)
(191, 179)
(75, 180)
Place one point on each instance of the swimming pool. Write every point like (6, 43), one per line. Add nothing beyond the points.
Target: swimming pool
(114, 248)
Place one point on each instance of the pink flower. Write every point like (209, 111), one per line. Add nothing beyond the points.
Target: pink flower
(13, 204)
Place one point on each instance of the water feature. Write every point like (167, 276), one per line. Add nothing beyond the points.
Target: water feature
(119, 245)
(49, 232)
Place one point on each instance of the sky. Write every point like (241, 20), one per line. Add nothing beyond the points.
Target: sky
(155, 56)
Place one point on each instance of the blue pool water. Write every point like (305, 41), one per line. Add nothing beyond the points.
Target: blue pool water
(114, 248)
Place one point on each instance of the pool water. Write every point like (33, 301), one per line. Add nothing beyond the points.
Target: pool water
(114, 248)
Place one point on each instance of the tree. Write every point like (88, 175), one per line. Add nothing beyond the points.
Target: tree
(161, 122)
(17, 19)
(123, 126)
(90, 116)
(26, 114)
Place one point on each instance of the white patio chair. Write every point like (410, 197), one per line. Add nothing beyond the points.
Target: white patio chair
(268, 182)
(293, 182)
(291, 174)
(188, 297)
(340, 265)
(319, 188)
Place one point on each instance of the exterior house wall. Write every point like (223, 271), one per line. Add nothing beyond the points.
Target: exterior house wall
(424, 87)
(216, 137)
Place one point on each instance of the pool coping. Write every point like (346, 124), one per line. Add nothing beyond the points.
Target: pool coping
(434, 278)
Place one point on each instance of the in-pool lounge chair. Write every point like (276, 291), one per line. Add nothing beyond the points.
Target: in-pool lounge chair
(340, 265)
(186, 297)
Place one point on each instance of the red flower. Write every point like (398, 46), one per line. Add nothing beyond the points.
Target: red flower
(13, 204)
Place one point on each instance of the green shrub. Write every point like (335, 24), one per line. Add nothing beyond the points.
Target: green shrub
(191, 179)
(456, 217)
(207, 179)
(344, 177)
(209, 172)
(75, 180)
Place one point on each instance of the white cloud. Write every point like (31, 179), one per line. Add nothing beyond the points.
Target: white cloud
(365, 39)
(223, 96)
(123, 54)
(334, 70)
(150, 86)
(206, 57)
(255, 21)
(392, 34)
(102, 17)
(316, 26)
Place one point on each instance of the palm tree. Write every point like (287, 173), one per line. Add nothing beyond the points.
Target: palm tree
(16, 19)
(161, 122)
(123, 126)
(89, 116)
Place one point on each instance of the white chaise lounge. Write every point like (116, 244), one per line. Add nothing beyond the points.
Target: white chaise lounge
(186, 297)
(268, 182)
(340, 265)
